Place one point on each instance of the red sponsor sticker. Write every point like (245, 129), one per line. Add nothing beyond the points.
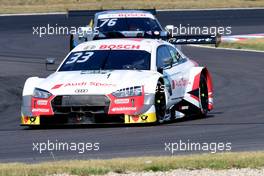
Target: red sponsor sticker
(120, 46)
(135, 118)
(38, 107)
(129, 107)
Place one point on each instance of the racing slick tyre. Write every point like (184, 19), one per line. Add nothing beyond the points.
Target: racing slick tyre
(160, 103)
(203, 96)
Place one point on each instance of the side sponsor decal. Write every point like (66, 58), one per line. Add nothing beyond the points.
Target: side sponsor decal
(82, 84)
(41, 106)
(179, 83)
(128, 105)
(25, 120)
(143, 118)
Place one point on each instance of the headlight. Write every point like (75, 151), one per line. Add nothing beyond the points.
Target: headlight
(39, 93)
(128, 92)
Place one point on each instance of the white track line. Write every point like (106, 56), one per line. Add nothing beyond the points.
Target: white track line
(158, 10)
(230, 49)
(32, 14)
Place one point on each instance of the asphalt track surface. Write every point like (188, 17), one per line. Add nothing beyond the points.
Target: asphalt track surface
(238, 116)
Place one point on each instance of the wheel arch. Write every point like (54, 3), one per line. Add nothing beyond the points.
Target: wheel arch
(30, 85)
(209, 82)
(193, 86)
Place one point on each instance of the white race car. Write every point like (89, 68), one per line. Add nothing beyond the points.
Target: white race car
(119, 24)
(127, 81)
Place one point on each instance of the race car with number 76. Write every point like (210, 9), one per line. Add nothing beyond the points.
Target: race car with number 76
(129, 80)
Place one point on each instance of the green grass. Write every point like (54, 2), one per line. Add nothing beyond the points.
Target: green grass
(26, 6)
(252, 44)
(254, 160)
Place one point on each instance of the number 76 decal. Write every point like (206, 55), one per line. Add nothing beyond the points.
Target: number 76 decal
(80, 57)
(109, 22)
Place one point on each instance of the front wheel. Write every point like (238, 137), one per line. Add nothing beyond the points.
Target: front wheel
(160, 103)
(203, 96)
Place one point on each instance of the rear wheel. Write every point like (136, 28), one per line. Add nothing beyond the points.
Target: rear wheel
(203, 95)
(160, 103)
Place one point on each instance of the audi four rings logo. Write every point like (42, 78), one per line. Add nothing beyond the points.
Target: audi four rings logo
(81, 90)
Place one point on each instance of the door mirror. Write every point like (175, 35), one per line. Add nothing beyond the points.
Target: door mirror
(169, 29)
(49, 62)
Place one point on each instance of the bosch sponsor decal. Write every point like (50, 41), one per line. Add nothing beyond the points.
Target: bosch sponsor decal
(120, 46)
(82, 84)
(126, 15)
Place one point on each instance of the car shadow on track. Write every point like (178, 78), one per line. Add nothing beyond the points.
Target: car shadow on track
(83, 126)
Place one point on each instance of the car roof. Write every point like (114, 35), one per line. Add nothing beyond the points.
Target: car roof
(121, 11)
(123, 44)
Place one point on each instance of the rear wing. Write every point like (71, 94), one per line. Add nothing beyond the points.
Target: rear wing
(195, 39)
(76, 13)
(175, 40)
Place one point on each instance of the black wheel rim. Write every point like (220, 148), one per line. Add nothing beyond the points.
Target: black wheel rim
(160, 105)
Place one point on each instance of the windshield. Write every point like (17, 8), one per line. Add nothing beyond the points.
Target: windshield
(107, 60)
(128, 24)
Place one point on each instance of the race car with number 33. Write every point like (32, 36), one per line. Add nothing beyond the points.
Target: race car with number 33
(130, 80)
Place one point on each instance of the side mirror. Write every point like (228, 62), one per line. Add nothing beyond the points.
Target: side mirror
(50, 61)
(164, 34)
(168, 62)
(169, 29)
(160, 70)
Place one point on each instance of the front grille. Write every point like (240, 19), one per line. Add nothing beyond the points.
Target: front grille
(95, 104)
